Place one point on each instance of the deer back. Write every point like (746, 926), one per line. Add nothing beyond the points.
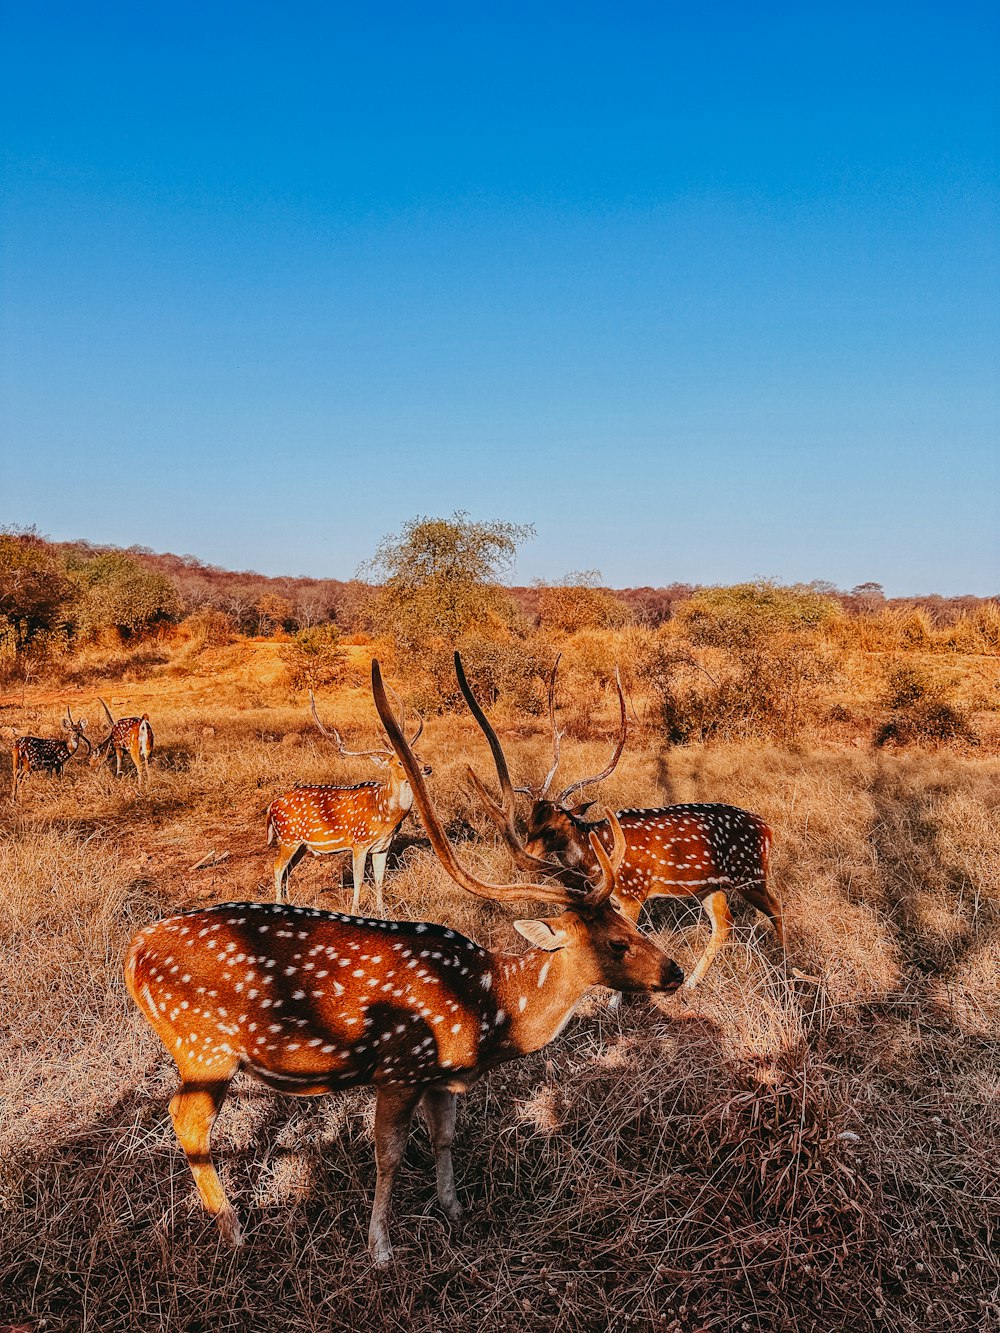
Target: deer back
(315, 1000)
(335, 817)
(672, 851)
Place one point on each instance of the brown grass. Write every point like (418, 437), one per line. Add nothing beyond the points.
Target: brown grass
(790, 1154)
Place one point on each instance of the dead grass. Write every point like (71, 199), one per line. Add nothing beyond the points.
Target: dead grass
(789, 1155)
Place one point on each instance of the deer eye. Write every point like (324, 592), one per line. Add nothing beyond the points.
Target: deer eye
(620, 947)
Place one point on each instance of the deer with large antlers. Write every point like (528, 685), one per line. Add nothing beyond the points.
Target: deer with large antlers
(362, 819)
(44, 754)
(310, 1002)
(701, 850)
(128, 735)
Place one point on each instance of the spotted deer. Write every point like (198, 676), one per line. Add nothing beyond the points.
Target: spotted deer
(702, 850)
(362, 819)
(310, 1002)
(43, 754)
(129, 735)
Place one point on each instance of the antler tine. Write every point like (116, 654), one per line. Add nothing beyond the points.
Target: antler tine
(502, 812)
(556, 735)
(609, 863)
(334, 735)
(401, 707)
(499, 758)
(616, 754)
(534, 865)
(549, 893)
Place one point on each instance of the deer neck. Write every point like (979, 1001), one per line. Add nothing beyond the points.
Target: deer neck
(400, 795)
(539, 991)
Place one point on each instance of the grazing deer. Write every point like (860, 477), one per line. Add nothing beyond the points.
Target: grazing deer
(312, 1001)
(131, 735)
(42, 754)
(362, 819)
(701, 850)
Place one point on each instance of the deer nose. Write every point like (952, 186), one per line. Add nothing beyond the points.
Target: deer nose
(671, 975)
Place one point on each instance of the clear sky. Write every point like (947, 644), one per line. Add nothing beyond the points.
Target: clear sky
(702, 291)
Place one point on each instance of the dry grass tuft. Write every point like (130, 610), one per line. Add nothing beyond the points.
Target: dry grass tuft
(809, 1142)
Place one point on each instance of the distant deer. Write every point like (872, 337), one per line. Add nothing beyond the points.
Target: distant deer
(362, 819)
(131, 735)
(42, 754)
(697, 850)
(310, 1002)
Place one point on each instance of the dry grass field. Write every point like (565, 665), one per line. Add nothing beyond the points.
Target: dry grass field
(809, 1143)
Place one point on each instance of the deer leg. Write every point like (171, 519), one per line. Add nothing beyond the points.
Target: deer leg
(118, 762)
(759, 896)
(378, 871)
(359, 855)
(193, 1109)
(282, 864)
(438, 1110)
(722, 923)
(394, 1109)
(137, 762)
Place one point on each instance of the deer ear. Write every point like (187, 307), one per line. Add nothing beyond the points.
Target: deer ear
(83, 724)
(541, 935)
(66, 724)
(378, 761)
(580, 810)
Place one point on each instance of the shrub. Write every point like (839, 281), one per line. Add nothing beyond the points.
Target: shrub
(768, 689)
(314, 657)
(208, 628)
(118, 593)
(580, 602)
(439, 581)
(733, 617)
(33, 589)
(920, 711)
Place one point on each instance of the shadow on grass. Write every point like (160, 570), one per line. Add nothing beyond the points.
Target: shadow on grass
(627, 1177)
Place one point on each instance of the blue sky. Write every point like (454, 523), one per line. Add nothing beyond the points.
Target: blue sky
(703, 292)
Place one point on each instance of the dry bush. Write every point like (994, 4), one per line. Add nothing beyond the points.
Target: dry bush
(792, 1154)
(207, 628)
(580, 602)
(920, 710)
(314, 657)
(769, 688)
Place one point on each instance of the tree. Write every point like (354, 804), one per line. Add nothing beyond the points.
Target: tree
(439, 579)
(580, 601)
(33, 588)
(274, 611)
(117, 592)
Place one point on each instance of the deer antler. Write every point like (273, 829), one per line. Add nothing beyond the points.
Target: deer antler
(502, 813)
(334, 735)
(556, 734)
(111, 720)
(549, 893)
(616, 754)
(80, 728)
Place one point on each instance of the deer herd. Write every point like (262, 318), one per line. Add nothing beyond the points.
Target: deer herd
(311, 1001)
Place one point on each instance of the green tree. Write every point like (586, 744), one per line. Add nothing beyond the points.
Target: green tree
(439, 579)
(747, 613)
(33, 587)
(314, 657)
(117, 592)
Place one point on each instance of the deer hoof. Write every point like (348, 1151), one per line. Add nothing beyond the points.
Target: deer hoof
(229, 1227)
(381, 1252)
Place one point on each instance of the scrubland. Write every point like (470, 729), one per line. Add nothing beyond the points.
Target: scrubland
(808, 1142)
